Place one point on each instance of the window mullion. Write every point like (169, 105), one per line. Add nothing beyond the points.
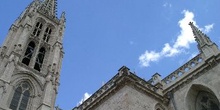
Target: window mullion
(19, 102)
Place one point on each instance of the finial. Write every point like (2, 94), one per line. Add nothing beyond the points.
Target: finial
(49, 7)
(190, 23)
(124, 71)
(63, 18)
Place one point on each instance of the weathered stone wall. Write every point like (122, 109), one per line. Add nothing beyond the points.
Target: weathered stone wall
(128, 98)
(208, 81)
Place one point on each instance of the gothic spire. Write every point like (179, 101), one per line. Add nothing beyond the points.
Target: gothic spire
(50, 7)
(201, 38)
(205, 45)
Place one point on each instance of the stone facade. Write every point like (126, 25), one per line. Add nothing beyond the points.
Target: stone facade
(30, 63)
(128, 98)
(31, 57)
(193, 86)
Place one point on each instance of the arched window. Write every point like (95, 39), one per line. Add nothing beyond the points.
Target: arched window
(28, 54)
(21, 97)
(40, 59)
(47, 34)
(37, 29)
(207, 101)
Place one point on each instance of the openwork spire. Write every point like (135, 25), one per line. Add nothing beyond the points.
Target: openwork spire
(49, 7)
(201, 38)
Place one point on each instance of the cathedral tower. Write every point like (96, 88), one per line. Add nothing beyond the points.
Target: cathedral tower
(31, 57)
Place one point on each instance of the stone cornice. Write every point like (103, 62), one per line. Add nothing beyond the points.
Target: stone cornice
(121, 79)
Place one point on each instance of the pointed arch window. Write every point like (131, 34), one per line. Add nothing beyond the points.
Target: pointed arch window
(37, 29)
(29, 52)
(47, 34)
(21, 97)
(40, 59)
(207, 101)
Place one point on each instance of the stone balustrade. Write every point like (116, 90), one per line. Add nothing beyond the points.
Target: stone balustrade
(183, 70)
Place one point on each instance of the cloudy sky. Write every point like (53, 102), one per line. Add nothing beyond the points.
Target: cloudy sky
(147, 36)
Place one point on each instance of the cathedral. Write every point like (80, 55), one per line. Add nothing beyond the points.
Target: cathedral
(31, 59)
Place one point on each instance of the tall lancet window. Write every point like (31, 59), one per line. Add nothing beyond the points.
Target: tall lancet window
(40, 59)
(28, 54)
(21, 97)
(47, 34)
(37, 29)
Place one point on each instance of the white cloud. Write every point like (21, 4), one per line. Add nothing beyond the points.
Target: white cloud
(167, 5)
(86, 96)
(148, 57)
(186, 35)
(183, 41)
(208, 28)
(169, 51)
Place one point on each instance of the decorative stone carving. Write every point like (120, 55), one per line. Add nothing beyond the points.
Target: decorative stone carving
(18, 48)
(56, 82)
(3, 51)
(2, 87)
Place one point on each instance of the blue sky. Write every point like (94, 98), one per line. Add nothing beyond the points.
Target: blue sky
(148, 36)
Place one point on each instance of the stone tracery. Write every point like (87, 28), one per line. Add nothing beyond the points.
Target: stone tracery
(206, 101)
